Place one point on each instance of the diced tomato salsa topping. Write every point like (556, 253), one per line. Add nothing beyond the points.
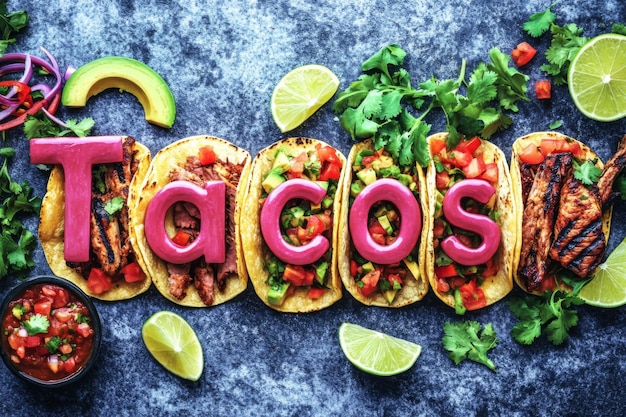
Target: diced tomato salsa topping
(533, 154)
(47, 332)
(467, 160)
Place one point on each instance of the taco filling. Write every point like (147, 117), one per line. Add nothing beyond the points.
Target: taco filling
(565, 191)
(462, 282)
(198, 169)
(383, 225)
(301, 220)
(112, 257)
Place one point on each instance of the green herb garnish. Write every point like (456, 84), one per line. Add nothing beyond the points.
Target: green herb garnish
(465, 340)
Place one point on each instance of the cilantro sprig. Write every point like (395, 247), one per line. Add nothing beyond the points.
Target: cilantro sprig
(10, 25)
(551, 314)
(383, 104)
(465, 340)
(37, 323)
(42, 126)
(16, 242)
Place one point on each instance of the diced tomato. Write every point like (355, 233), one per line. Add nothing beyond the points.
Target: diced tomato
(491, 173)
(473, 297)
(439, 228)
(367, 160)
(437, 145)
(576, 150)
(32, 341)
(442, 285)
(206, 154)
(330, 171)
(296, 170)
(98, 282)
(314, 226)
(547, 284)
(442, 179)
(523, 53)
(377, 228)
(48, 291)
(327, 153)
(469, 145)
(43, 307)
(15, 341)
(393, 278)
(462, 159)
(61, 298)
(531, 154)
(492, 268)
(69, 365)
(354, 268)
(475, 168)
(550, 146)
(315, 293)
(298, 275)
(370, 282)
(446, 271)
(181, 238)
(84, 329)
(543, 89)
(133, 272)
(456, 282)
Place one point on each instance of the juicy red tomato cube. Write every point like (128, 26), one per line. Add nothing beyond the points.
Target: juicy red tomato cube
(133, 272)
(98, 282)
(543, 89)
(43, 307)
(523, 53)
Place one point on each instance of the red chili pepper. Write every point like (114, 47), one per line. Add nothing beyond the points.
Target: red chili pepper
(20, 119)
(23, 90)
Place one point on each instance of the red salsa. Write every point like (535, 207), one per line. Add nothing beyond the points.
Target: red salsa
(47, 332)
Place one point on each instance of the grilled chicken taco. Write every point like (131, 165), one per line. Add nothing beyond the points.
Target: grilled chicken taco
(382, 273)
(472, 223)
(292, 208)
(564, 193)
(112, 273)
(191, 163)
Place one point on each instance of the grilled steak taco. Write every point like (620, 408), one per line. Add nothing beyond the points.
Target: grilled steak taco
(564, 193)
(386, 272)
(189, 165)
(472, 223)
(292, 208)
(112, 272)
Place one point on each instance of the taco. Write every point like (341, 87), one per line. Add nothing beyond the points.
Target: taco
(377, 278)
(470, 259)
(194, 161)
(564, 192)
(301, 274)
(113, 271)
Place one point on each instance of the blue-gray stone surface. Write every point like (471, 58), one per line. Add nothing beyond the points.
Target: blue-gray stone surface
(222, 60)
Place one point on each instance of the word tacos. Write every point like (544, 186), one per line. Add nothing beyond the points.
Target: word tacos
(186, 220)
(112, 271)
(565, 194)
(291, 210)
(380, 257)
(472, 223)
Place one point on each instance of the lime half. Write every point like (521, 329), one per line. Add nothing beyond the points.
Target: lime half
(174, 344)
(377, 353)
(608, 286)
(301, 93)
(597, 78)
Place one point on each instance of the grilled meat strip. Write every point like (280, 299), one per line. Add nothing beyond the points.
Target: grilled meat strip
(527, 176)
(579, 242)
(612, 169)
(178, 279)
(187, 218)
(539, 217)
(110, 244)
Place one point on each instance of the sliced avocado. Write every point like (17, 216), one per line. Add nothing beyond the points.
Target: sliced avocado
(384, 222)
(323, 184)
(292, 217)
(405, 179)
(273, 180)
(438, 204)
(390, 295)
(281, 162)
(367, 175)
(320, 272)
(355, 188)
(277, 293)
(327, 202)
(367, 267)
(125, 74)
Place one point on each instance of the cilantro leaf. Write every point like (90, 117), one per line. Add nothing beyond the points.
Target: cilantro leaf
(54, 344)
(555, 124)
(37, 323)
(619, 28)
(539, 23)
(114, 205)
(388, 55)
(566, 42)
(587, 172)
(42, 126)
(464, 340)
(10, 25)
(551, 314)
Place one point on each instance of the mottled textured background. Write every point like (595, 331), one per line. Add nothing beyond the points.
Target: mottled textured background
(222, 59)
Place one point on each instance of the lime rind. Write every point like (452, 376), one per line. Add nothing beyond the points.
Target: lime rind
(377, 353)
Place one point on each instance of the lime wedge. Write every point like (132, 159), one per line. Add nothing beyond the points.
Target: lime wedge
(174, 344)
(301, 93)
(597, 78)
(377, 353)
(608, 286)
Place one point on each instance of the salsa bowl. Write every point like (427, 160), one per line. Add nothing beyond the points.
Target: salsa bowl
(51, 331)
